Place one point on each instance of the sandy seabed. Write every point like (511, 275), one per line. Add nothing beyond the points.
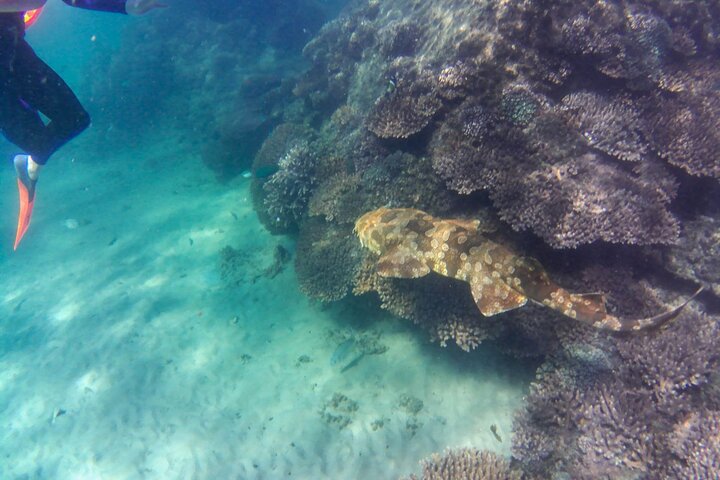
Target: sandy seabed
(124, 354)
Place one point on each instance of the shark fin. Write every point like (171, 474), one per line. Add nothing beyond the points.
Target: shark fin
(495, 297)
(598, 300)
(470, 225)
(628, 325)
(402, 262)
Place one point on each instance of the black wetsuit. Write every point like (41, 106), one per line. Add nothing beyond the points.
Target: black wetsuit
(28, 86)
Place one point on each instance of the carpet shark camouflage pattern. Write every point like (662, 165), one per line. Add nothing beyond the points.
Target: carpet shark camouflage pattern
(412, 243)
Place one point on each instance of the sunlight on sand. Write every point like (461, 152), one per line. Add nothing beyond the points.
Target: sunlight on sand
(63, 314)
(92, 382)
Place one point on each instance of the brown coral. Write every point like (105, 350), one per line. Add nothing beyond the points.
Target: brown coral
(454, 319)
(697, 442)
(696, 257)
(407, 107)
(545, 178)
(682, 128)
(283, 140)
(338, 199)
(466, 464)
(327, 260)
(609, 124)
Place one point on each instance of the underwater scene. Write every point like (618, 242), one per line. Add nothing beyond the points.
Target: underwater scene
(360, 239)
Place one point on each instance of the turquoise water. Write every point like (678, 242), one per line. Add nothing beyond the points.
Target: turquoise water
(123, 353)
(113, 312)
(153, 323)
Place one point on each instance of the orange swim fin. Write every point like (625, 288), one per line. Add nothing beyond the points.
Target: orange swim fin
(27, 201)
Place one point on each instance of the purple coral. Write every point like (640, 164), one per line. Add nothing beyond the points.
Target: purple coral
(696, 441)
(682, 127)
(630, 413)
(609, 124)
(545, 177)
(407, 107)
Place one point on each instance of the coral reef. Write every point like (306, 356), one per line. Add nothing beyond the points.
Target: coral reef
(288, 143)
(454, 319)
(288, 190)
(543, 176)
(407, 107)
(696, 257)
(681, 127)
(587, 130)
(327, 260)
(510, 138)
(696, 441)
(622, 411)
(467, 463)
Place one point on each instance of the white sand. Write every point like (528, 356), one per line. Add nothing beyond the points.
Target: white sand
(113, 311)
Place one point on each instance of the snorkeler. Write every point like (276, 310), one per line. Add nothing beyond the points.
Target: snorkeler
(29, 86)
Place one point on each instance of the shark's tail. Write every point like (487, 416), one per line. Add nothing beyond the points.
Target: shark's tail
(616, 324)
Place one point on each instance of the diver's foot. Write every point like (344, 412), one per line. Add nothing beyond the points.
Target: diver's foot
(27, 171)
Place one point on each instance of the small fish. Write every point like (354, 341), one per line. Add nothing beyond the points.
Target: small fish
(392, 84)
(56, 413)
(19, 305)
(493, 429)
(342, 351)
(71, 224)
(246, 174)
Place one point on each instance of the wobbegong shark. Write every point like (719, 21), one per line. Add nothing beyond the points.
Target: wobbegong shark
(412, 243)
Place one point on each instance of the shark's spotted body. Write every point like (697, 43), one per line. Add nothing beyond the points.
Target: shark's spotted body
(412, 243)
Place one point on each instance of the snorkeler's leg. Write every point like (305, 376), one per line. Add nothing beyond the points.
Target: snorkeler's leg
(22, 126)
(41, 89)
(20, 123)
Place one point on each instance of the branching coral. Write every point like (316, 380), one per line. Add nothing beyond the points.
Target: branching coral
(609, 124)
(454, 319)
(338, 199)
(696, 257)
(277, 145)
(681, 126)
(288, 191)
(696, 441)
(406, 108)
(624, 415)
(288, 143)
(544, 177)
(465, 464)
(327, 260)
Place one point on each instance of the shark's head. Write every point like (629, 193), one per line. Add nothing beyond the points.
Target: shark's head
(385, 228)
(370, 230)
